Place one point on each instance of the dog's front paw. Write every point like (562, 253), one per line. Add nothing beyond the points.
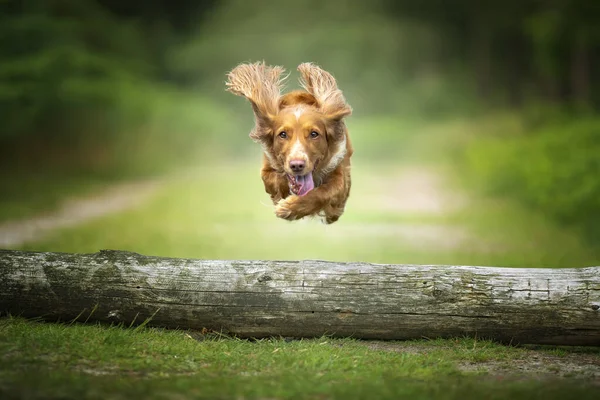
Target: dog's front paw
(285, 208)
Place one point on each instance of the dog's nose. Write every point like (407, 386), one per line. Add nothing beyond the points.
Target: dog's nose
(297, 165)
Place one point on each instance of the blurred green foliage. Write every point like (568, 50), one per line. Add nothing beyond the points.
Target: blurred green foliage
(384, 65)
(128, 87)
(61, 58)
(554, 169)
(77, 88)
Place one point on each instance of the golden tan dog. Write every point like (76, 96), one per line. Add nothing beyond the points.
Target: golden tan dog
(307, 150)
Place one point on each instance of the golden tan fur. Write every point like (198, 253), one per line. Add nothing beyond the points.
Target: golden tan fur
(304, 127)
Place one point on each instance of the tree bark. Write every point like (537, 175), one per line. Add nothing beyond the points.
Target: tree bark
(580, 72)
(306, 298)
(481, 54)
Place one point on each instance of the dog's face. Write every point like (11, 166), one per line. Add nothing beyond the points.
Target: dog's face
(299, 145)
(301, 132)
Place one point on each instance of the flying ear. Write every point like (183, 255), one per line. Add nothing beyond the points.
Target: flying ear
(323, 86)
(261, 85)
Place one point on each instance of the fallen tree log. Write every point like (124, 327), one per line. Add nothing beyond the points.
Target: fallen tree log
(307, 298)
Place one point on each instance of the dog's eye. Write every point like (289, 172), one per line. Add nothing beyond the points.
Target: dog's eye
(314, 134)
(283, 135)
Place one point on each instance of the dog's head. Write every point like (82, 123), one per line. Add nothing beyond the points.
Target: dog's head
(302, 132)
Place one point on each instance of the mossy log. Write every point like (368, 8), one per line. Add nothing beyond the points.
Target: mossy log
(306, 298)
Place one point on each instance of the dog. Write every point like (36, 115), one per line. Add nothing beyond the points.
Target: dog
(306, 146)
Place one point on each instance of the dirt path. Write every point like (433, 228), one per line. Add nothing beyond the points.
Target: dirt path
(76, 211)
(579, 363)
(413, 192)
(416, 198)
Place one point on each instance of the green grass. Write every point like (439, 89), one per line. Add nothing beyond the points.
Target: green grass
(221, 212)
(74, 361)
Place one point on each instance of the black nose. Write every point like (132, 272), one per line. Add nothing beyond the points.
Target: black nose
(297, 165)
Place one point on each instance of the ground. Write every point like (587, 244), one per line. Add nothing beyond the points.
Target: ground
(401, 214)
(73, 212)
(77, 361)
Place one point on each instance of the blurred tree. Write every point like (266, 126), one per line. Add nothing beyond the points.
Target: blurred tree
(430, 57)
(507, 45)
(383, 65)
(65, 59)
(59, 56)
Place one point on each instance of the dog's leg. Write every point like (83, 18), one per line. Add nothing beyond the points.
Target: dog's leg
(276, 185)
(332, 213)
(296, 207)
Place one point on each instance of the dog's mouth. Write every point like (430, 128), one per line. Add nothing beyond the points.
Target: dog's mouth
(301, 184)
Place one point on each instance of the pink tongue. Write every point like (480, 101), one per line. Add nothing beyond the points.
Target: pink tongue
(306, 184)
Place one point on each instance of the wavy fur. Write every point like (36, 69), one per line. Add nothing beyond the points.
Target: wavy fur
(261, 85)
(303, 127)
(323, 86)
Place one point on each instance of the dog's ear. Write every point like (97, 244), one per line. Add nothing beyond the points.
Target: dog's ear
(261, 85)
(323, 86)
